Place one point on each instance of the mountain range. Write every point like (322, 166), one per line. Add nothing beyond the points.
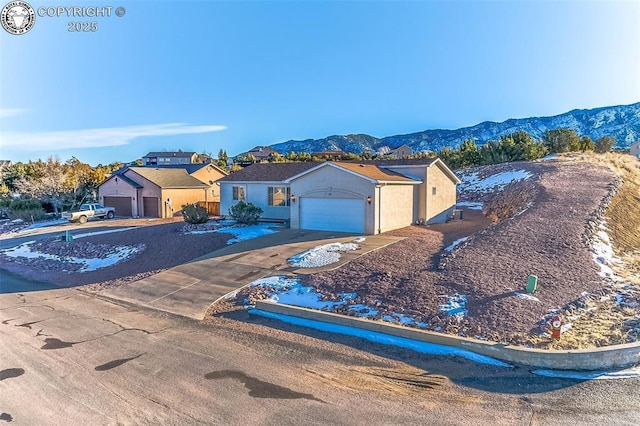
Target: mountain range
(622, 122)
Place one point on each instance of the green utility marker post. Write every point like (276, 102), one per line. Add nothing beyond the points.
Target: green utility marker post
(532, 283)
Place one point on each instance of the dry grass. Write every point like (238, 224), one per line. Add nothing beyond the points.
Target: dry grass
(623, 214)
(603, 323)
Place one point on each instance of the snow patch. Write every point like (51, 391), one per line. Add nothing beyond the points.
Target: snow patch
(456, 243)
(244, 233)
(386, 339)
(471, 205)
(590, 375)
(118, 254)
(455, 306)
(321, 255)
(526, 296)
(497, 182)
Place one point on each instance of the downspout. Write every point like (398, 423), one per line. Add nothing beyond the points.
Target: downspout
(379, 187)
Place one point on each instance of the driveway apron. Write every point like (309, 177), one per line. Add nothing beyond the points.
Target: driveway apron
(190, 289)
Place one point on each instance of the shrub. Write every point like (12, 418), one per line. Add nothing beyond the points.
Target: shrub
(26, 210)
(245, 213)
(194, 213)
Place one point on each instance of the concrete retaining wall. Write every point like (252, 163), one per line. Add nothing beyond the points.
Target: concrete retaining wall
(606, 358)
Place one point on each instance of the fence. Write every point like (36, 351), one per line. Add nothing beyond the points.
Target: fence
(213, 207)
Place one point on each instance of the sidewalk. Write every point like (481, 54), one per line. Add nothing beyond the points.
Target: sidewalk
(190, 289)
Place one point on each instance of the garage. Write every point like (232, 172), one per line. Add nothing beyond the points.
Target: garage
(150, 207)
(332, 214)
(121, 204)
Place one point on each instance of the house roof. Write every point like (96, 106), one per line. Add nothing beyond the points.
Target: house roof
(376, 173)
(190, 168)
(268, 172)
(128, 180)
(178, 154)
(371, 172)
(169, 177)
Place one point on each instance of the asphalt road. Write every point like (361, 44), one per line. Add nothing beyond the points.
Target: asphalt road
(67, 357)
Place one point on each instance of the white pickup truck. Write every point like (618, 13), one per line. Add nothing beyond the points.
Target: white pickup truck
(88, 211)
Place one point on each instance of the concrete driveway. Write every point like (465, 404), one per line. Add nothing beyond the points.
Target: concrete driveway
(190, 289)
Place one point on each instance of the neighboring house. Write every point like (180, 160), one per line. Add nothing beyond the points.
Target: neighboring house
(169, 158)
(329, 154)
(160, 191)
(358, 197)
(260, 153)
(634, 149)
(403, 151)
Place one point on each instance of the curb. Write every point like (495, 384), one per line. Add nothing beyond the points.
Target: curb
(605, 358)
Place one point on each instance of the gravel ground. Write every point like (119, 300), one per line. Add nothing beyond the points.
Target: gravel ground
(549, 239)
(165, 246)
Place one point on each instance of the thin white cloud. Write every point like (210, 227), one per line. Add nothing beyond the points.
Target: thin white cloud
(96, 138)
(11, 112)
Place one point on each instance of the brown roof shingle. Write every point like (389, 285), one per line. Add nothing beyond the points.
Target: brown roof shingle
(374, 172)
(168, 178)
(268, 172)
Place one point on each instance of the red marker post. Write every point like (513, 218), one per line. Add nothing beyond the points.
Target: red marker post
(556, 327)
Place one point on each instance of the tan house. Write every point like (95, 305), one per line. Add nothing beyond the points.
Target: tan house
(357, 197)
(634, 149)
(160, 191)
(403, 151)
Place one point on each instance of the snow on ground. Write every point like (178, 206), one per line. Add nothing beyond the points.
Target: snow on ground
(471, 205)
(497, 182)
(455, 305)
(549, 157)
(321, 255)
(289, 291)
(386, 339)
(87, 264)
(526, 296)
(590, 375)
(456, 243)
(45, 223)
(110, 231)
(243, 233)
(602, 252)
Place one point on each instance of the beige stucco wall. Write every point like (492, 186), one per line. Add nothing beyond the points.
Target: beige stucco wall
(331, 182)
(439, 206)
(256, 194)
(114, 187)
(179, 197)
(394, 207)
(207, 175)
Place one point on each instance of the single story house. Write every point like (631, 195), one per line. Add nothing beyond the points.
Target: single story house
(360, 197)
(634, 149)
(160, 191)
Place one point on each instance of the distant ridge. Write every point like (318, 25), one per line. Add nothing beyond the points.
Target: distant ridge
(621, 122)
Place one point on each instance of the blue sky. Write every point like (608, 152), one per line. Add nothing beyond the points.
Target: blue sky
(201, 76)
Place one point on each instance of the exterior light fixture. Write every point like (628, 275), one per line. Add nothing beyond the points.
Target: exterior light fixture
(369, 199)
(293, 198)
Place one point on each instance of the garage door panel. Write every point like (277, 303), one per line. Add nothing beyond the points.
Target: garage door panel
(150, 206)
(122, 205)
(332, 214)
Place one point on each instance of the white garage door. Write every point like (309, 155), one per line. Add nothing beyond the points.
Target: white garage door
(332, 214)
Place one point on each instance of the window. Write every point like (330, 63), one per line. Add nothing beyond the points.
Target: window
(239, 193)
(433, 190)
(279, 196)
